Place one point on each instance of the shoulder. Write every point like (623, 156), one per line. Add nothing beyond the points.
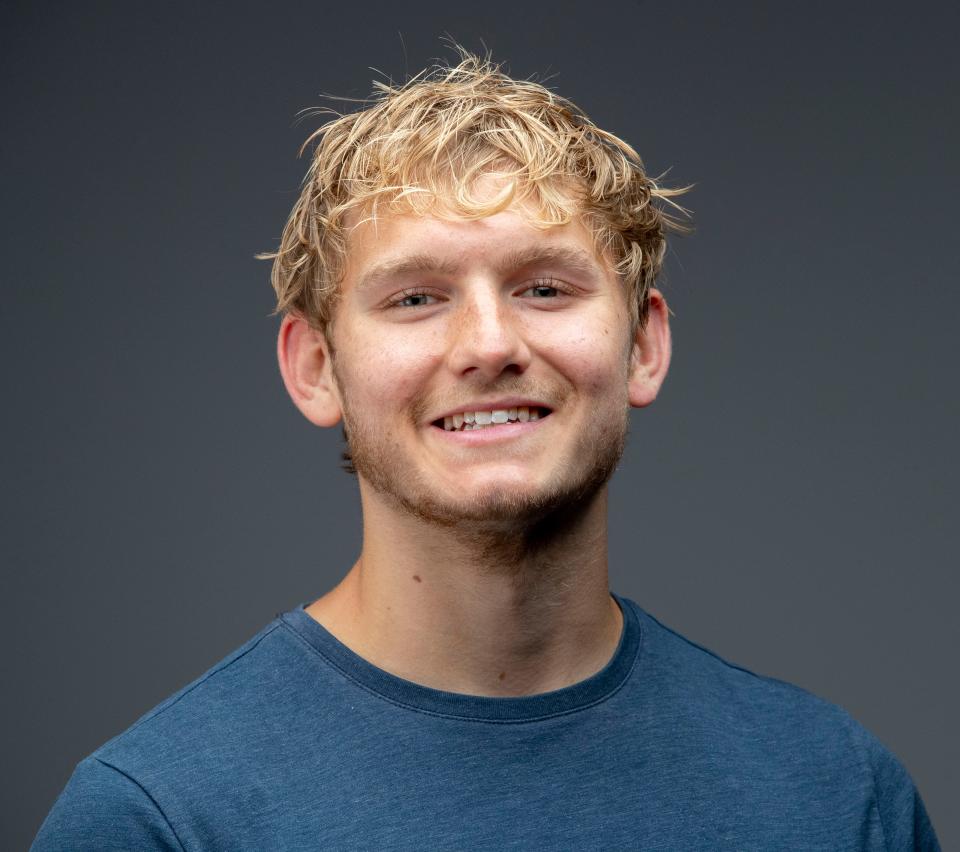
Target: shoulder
(103, 808)
(130, 792)
(691, 677)
(220, 706)
(781, 734)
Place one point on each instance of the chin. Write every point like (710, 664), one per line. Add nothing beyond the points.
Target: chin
(507, 508)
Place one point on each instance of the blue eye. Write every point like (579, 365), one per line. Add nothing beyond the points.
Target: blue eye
(543, 291)
(414, 300)
(544, 288)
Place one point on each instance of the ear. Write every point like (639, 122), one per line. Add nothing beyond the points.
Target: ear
(307, 370)
(650, 358)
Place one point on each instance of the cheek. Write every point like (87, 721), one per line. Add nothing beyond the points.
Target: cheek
(388, 371)
(595, 358)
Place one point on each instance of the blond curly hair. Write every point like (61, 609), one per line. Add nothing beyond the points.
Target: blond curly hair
(419, 148)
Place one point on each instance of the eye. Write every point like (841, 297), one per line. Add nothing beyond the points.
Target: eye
(545, 288)
(412, 299)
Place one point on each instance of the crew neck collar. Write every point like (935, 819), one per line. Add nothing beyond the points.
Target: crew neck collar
(425, 699)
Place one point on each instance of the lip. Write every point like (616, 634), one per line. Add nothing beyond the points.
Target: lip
(490, 405)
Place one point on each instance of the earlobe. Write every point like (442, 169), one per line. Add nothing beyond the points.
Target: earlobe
(307, 370)
(650, 358)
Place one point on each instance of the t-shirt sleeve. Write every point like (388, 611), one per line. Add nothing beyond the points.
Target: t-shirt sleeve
(906, 825)
(103, 809)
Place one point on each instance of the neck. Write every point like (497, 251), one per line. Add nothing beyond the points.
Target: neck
(479, 610)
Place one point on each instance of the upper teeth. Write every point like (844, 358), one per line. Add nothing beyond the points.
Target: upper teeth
(483, 419)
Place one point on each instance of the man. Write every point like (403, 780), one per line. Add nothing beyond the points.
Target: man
(467, 285)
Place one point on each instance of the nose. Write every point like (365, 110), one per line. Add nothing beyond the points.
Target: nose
(487, 338)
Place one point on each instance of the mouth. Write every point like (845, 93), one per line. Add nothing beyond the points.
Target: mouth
(466, 421)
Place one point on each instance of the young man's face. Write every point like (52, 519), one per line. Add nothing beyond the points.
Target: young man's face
(441, 322)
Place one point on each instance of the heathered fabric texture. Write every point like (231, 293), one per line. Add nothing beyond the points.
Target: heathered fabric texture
(295, 742)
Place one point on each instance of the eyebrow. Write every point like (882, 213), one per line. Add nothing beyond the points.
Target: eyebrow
(573, 259)
(409, 265)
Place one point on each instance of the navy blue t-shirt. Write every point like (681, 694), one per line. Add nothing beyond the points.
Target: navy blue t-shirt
(295, 742)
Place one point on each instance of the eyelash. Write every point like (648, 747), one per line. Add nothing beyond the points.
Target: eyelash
(538, 284)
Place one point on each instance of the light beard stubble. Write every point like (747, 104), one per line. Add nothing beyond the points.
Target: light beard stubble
(503, 525)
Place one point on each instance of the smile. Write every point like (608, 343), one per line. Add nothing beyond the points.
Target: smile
(472, 420)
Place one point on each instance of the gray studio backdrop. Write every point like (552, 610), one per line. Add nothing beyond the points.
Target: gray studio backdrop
(790, 502)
